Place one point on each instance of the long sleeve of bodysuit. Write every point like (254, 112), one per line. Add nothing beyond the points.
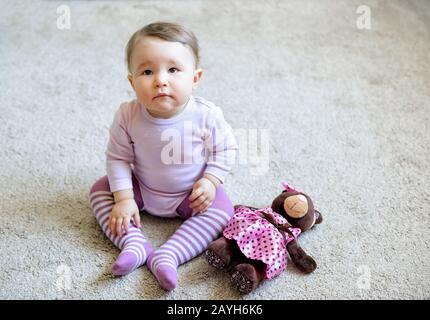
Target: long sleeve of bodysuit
(221, 146)
(119, 153)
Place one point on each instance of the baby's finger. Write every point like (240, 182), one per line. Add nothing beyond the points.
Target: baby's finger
(119, 227)
(208, 204)
(204, 206)
(126, 223)
(195, 194)
(136, 219)
(198, 202)
(112, 226)
(200, 207)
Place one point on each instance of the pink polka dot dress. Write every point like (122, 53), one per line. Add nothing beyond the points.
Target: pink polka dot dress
(258, 239)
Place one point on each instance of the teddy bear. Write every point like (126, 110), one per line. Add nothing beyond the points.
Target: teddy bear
(255, 243)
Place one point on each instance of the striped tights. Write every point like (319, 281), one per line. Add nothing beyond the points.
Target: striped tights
(190, 240)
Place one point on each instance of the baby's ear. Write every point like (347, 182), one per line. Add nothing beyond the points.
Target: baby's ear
(197, 76)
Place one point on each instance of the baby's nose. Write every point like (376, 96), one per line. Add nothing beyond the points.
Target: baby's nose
(159, 84)
(160, 81)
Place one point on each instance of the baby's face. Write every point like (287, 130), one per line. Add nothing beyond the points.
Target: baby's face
(163, 75)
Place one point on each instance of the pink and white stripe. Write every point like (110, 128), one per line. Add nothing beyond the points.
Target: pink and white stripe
(135, 249)
(190, 240)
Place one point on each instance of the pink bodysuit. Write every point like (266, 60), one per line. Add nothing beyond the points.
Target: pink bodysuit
(168, 156)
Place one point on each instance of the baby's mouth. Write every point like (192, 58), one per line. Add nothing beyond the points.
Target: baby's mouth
(161, 95)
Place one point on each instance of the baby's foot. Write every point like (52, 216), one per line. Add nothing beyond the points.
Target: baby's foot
(131, 258)
(164, 268)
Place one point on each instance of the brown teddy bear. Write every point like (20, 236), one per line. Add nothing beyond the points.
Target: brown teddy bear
(255, 243)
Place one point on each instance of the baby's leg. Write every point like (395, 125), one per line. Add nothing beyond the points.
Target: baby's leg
(134, 247)
(191, 239)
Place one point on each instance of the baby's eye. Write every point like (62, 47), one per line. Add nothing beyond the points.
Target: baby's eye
(173, 70)
(147, 72)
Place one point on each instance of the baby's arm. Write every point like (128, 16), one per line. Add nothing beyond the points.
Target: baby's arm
(120, 152)
(119, 156)
(123, 195)
(221, 146)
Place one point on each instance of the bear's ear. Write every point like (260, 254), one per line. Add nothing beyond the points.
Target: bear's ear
(318, 217)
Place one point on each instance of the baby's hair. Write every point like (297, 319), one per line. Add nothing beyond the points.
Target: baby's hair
(167, 31)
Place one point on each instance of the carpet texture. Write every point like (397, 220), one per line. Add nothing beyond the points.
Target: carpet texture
(340, 112)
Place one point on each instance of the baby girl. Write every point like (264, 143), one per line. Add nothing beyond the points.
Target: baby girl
(168, 154)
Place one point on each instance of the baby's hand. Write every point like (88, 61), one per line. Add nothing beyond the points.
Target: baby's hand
(121, 214)
(202, 196)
